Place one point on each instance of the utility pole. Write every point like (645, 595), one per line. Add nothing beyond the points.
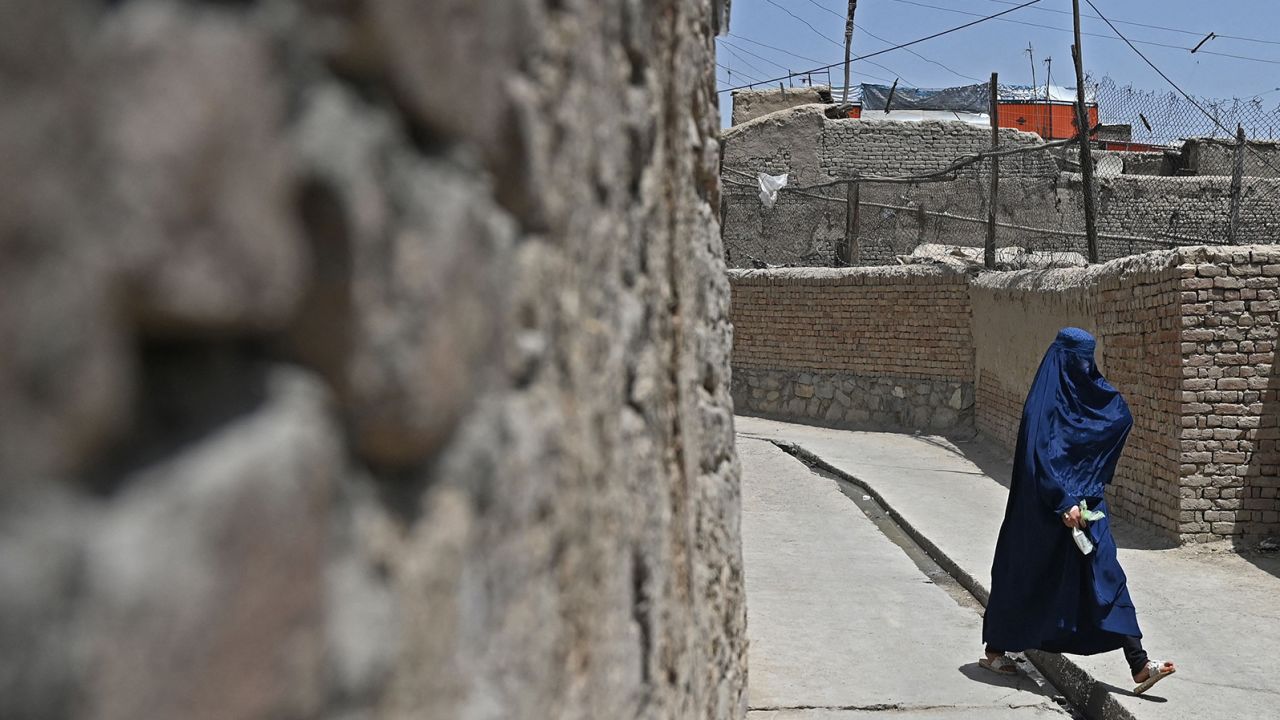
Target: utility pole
(989, 252)
(1083, 128)
(848, 46)
(1048, 102)
(1031, 58)
(850, 251)
(1237, 173)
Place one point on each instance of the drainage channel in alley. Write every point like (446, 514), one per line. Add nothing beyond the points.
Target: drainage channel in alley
(933, 572)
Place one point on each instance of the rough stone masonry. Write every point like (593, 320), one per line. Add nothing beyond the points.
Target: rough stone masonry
(364, 358)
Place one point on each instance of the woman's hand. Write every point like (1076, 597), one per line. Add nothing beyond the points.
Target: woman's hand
(1072, 519)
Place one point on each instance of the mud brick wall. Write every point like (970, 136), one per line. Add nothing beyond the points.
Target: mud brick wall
(365, 359)
(803, 230)
(1132, 308)
(895, 147)
(751, 104)
(1231, 393)
(1217, 156)
(1158, 207)
(863, 347)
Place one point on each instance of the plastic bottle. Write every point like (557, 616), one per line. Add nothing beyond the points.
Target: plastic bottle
(1082, 540)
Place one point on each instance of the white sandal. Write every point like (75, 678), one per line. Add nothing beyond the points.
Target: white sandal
(1156, 671)
(1002, 665)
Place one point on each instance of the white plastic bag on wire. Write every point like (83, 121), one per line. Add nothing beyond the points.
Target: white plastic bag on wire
(769, 187)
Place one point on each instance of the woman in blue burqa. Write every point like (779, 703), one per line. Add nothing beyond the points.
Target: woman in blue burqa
(1046, 593)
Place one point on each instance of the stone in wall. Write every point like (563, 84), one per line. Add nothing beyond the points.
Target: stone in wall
(336, 389)
(856, 402)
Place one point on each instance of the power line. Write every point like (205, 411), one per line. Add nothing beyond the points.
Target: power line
(1193, 33)
(727, 45)
(1160, 72)
(1175, 85)
(815, 30)
(743, 60)
(748, 76)
(820, 6)
(757, 42)
(922, 57)
(1097, 35)
(820, 34)
(794, 55)
(896, 47)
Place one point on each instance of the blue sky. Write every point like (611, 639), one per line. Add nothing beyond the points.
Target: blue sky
(1252, 28)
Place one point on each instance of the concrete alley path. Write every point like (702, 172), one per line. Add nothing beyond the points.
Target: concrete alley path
(843, 625)
(1213, 611)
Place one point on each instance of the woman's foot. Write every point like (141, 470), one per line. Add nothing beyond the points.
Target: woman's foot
(999, 663)
(1153, 673)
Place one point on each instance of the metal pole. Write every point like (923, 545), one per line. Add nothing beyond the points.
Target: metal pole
(1082, 127)
(989, 256)
(1031, 57)
(849, 250)
(1237, 172)
(1048, 103)
(848, 46)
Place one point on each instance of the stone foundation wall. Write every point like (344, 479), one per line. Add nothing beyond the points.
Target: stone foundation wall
(863, 347)
(365, 359)
(852, 401)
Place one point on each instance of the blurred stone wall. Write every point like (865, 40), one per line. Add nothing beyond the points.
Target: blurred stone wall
(364, 358)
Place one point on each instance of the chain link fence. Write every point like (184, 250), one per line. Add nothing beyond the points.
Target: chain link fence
(1166, 174)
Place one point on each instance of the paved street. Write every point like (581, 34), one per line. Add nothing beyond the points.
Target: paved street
(843, 624)
(1209, 609)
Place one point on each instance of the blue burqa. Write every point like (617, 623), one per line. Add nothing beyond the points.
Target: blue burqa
(1045, 594)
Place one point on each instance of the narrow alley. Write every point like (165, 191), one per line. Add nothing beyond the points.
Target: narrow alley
(843, 624)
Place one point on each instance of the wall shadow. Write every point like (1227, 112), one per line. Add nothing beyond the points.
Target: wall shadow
(1258, 518)
(997, 463)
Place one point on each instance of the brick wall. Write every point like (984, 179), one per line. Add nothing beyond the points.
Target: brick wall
(1138, 315)
(1230, 441)
(896, 147)
(999, 409)
(1131, 306)
(1189, 336)
(854, 347)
